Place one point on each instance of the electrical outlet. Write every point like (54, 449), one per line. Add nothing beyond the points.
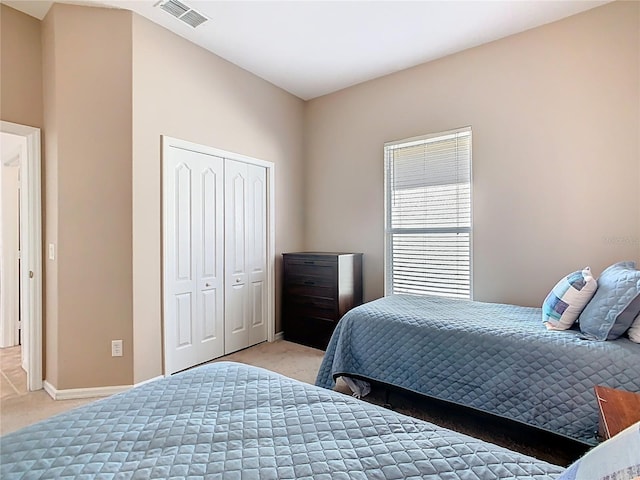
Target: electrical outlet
(52, 252)
(116, 348)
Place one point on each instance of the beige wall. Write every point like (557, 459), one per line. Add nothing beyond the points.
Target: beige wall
(558, 101)
(554, 113)
(88, 113)
(21, 66)
(183, 91)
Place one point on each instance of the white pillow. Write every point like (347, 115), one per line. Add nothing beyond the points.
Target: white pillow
(568, 298)
(634, 330)
(616, 458)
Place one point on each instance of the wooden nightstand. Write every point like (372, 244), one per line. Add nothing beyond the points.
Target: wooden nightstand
(619, 409)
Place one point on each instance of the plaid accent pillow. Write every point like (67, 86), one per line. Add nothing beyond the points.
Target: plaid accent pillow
(568, 298)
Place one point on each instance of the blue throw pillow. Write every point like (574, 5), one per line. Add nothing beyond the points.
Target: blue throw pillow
(567, 299)
(618, 458)
(615, 304)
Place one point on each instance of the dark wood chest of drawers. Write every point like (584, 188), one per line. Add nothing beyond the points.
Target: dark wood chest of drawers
(318, 289)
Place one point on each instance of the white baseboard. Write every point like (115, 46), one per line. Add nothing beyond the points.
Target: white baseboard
(279, 336)
(74, 393)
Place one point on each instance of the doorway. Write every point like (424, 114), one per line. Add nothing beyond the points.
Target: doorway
(26, 157)
(12, 151)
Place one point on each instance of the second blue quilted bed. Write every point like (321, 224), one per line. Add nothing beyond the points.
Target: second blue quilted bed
(492, 357)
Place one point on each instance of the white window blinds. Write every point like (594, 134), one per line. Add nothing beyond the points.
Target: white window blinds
(428, 215)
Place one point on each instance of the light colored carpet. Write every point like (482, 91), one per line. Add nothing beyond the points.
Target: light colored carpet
(290, 359)
(19, 407)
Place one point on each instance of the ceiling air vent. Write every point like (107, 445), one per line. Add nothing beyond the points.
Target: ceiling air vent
(182, 12)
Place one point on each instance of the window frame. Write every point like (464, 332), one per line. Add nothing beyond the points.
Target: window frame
(388, 231)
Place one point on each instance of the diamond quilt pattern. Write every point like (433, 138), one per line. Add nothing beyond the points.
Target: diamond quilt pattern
(494, 357)
(232, 421)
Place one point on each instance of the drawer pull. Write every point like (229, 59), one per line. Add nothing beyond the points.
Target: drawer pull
(309, 262)
(309, 282)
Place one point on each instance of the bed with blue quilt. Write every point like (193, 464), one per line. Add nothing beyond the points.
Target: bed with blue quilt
(495, 358)
(232, 421)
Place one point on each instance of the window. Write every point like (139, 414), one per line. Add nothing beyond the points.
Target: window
(428, 215)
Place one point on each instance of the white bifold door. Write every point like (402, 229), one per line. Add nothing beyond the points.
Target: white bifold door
(245, 255)
(215, 256)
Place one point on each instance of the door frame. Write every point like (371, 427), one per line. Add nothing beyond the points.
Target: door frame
(31, 253)
(171, 142)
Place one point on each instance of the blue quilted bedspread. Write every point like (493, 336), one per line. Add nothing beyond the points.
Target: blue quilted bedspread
(232, 421)
(492, 357)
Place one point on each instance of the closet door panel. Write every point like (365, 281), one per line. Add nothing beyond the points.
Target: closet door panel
(193, 249)
(257, 248)
(210, 266)
(245, 255)
(235, 219)
(180, 281)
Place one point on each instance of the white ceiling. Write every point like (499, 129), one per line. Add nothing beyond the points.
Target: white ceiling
(311, 48)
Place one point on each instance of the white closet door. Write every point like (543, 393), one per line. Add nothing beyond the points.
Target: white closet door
(257, 247)
(194, 263)
(245, 255)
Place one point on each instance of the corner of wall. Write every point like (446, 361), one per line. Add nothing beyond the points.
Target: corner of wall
(87, 141)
